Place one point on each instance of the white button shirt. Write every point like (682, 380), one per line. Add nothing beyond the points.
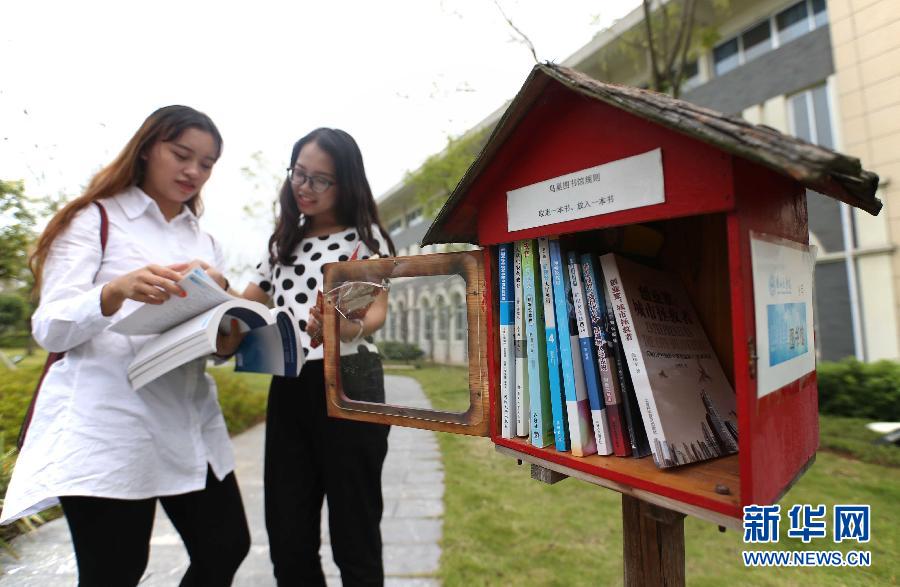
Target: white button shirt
(91, 433)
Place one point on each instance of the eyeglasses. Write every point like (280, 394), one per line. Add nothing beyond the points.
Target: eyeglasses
(316, 183)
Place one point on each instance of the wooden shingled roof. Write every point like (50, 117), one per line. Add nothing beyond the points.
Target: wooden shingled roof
(823, 170)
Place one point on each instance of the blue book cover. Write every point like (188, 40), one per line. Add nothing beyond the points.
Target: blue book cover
(273, 348)
(554, 375)
(578, 412)
(536, 348)
(589, 358)
(507, 341)
(611, 377)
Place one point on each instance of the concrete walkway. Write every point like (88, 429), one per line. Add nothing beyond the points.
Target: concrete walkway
(413, 488)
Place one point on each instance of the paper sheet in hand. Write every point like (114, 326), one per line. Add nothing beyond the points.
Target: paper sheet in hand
(351, 299)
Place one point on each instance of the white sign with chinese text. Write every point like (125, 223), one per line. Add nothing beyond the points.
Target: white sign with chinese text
(783, 302)
(618, 185)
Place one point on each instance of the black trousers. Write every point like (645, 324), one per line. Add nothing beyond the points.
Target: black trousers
(112, 536)
(310, 456)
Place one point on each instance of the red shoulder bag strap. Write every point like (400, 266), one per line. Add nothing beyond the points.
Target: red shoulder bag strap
(54, 357)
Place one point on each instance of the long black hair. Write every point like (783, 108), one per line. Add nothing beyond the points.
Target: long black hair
(355, 204)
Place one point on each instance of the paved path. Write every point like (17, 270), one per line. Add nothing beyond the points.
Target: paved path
(413, 490)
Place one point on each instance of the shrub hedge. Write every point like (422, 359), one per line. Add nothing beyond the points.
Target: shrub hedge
(855, 389)
(399, 351)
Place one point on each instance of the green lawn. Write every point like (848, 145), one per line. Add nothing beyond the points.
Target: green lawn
(500, 527)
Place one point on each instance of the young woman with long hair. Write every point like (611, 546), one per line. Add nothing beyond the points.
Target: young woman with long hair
(327, 214)
(106, 451)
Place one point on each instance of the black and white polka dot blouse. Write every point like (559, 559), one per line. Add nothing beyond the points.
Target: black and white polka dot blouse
(294, 287)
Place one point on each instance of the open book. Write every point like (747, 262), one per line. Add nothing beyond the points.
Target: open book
(186, 329)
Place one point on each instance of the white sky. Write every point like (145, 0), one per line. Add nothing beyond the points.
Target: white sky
(78, 78)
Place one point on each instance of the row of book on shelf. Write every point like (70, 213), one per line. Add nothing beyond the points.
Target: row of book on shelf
(603, 355)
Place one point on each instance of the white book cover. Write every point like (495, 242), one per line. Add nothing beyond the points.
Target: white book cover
(187, 328)
(687, 404)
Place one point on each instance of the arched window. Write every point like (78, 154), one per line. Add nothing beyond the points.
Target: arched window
(460, 324)
(400, 317)
(389, 323)
(443, 318)
(427, 321)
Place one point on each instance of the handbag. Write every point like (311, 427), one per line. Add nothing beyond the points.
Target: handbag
(54, 357)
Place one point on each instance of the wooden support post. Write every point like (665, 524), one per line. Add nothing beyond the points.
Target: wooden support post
(653, 543)
(545, 475)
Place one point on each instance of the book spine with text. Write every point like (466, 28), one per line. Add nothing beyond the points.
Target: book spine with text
(588, 359)
(536, 349)
(606, 366)
(557, 401)
(523, 409)
(507, 341)
(578, 408)
(634, 422)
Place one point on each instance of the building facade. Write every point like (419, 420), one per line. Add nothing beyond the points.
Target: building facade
(828, 72)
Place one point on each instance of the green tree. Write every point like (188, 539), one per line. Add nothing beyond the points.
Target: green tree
(668, 39)
(438, 176)
(664, 43)
(17, 233)
(14, 313)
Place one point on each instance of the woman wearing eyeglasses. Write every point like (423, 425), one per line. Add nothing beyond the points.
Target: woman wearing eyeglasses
(327, 214)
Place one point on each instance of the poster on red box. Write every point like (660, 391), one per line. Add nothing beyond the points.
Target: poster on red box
(783, 301)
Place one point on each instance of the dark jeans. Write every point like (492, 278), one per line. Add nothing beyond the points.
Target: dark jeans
(310, 456)
(112, 536)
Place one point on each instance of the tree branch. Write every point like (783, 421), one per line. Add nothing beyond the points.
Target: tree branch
(691, 6)
(679, 37)
(651, 49)
(520, 33)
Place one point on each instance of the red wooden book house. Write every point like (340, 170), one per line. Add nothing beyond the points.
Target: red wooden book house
(723, 183)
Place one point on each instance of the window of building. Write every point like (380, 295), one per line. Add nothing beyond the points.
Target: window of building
(692, 77)
(838, 315)
(414, 217)
(820, 13)
(403, 324)
(427, 321)
(811, 116)
(726, 57)
(443, 318)
(395, 226)
(785, 26)
(460, 323)
(390, 325)
(756, 41)
(792, 22)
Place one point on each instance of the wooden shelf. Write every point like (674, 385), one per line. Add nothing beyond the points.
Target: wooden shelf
(697, 489)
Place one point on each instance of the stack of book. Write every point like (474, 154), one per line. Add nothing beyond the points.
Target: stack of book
(603, 355)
